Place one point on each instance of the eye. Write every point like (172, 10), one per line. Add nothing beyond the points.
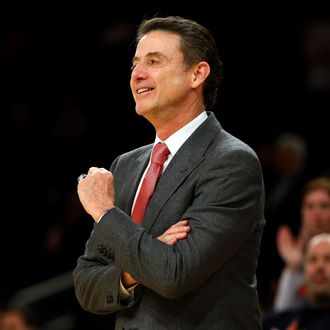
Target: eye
(153, 62)
(133, 66)
(312, 259)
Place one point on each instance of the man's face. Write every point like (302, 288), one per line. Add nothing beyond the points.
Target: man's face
(160, 80)
(317, 270)
(316, 212)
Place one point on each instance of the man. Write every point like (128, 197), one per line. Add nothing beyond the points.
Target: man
(314, 312)
(191, 263)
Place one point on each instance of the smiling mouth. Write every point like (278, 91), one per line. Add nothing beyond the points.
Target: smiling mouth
(143, 90)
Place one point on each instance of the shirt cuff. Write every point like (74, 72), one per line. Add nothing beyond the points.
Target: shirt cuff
(124, 293)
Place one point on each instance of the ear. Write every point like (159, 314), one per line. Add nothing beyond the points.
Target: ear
(200, 72)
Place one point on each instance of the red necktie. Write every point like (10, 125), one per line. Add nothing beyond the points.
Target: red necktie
(158, 157)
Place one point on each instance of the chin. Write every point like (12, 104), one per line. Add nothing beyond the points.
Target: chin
(139, 110)
(143, 111)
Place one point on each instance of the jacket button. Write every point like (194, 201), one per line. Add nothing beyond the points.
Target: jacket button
(109, 299)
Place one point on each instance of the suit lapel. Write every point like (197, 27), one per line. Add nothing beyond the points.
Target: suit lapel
(135, 171)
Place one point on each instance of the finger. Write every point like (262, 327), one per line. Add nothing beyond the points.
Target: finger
(92, 170)
(180, 235)
(171, 241)
(180, 223)
(178, 229)
(172, 237)
(97, 170)
(182, 229)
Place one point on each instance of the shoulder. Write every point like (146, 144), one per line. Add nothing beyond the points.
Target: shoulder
(231, 143)
(224, 141)
(228, 150)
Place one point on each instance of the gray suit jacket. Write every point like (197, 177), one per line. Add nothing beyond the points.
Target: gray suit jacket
(206, 281)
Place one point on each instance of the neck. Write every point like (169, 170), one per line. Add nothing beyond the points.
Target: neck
(168, 122)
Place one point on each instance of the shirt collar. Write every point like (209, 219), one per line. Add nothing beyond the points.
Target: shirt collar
(177, 139)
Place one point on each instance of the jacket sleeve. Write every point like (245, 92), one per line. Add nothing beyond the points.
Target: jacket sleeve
(97, 280)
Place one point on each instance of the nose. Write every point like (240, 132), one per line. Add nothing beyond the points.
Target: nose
(138, 72)
(320, 265)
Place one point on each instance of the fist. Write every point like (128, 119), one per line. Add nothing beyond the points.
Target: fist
(96, 192)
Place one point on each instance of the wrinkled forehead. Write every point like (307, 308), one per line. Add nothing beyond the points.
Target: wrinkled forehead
(158, 41)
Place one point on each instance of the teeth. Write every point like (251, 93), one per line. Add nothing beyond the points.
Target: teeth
(141, 90)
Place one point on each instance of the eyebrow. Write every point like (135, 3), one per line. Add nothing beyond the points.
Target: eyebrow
(151, 54)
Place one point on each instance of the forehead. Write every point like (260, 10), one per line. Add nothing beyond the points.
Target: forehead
(158, 42)
(319, 248)
(317, 194)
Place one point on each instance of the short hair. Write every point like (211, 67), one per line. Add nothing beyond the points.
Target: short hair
(322, 182)
(197, 44)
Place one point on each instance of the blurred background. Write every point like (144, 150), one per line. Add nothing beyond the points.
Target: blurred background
(66, 105)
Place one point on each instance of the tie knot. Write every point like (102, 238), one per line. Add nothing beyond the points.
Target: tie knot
(159, 153)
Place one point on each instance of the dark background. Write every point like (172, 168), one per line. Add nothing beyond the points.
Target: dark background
(66, 106)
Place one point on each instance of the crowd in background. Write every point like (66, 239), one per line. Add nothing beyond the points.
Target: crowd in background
(64, 71)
